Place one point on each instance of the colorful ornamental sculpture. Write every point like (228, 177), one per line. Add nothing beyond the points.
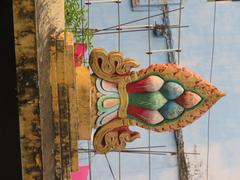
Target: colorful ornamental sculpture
(163, 97)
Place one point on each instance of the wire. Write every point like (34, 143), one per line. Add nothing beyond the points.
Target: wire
(110, 167)
(89, 160)
(88, 49)
(137, 20)
(149, 63)
(140, 147)
(119, 47)
(179, 29)
(112, 31)
(144, 147)
(119, 39)
(141, 151)
(211, 74)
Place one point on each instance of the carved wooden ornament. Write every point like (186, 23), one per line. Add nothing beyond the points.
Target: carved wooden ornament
(162, 97)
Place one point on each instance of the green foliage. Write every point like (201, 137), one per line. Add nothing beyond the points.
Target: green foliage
(77, 23)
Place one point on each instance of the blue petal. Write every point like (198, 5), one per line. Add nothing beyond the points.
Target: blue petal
(171, 110)
(172, 90)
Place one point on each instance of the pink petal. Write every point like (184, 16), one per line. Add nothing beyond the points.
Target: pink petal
(110, 103)
(109, 86)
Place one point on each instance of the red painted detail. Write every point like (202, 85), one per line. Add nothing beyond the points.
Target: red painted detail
(146, 115)
(149, 84)
(124, 129)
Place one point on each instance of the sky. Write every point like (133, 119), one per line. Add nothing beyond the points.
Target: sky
(197, 45)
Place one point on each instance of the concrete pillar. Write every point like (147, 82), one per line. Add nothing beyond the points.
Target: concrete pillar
(35, 21)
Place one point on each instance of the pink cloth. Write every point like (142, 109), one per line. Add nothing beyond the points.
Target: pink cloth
(79, 51)
(82, 174)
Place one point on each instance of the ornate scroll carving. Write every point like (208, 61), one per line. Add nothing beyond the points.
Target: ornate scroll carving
(110, 66)
(113, 136)
(163, 97)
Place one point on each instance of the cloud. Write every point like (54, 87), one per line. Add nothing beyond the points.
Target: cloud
(136, 176)
(224, 161)
(164, 174)
(169, 174)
